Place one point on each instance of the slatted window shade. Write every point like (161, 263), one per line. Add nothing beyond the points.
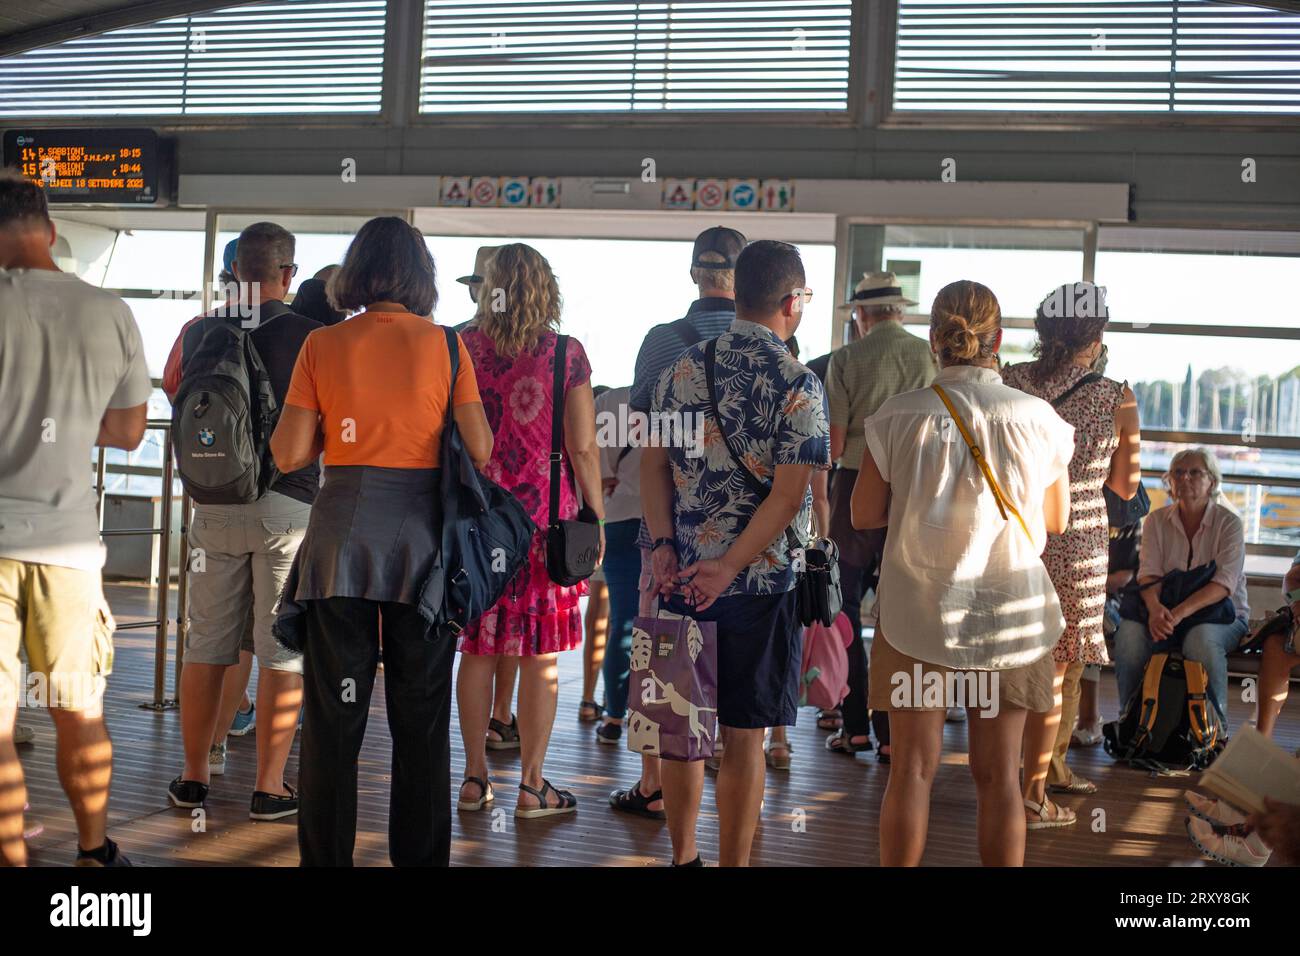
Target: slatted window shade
(295, 56)
(598, 56)
(1116, 56)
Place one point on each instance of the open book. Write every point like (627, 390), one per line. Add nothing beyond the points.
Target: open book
(1251, 768)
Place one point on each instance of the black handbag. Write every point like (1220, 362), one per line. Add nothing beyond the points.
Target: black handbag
(817, 567)
(572, 547)
(486, 534)
(1175, 587)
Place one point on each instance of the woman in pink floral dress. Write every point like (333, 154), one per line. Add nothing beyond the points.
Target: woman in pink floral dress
(1070, 324)
(512, 342)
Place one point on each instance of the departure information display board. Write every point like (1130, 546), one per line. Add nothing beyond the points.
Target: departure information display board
(117, 166)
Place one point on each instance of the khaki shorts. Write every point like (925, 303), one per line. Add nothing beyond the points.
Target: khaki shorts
(240, 557)
(1028, 687)
(60, 618)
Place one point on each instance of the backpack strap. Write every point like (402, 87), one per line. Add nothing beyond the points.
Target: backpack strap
(1197, 695)
(1003, 502)
(760, 489)
(557, 427)
(1086, 380)
(686, 331)
(1150, 698)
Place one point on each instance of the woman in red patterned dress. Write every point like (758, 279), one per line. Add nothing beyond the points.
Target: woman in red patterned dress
(512, 342)
(1070, 323)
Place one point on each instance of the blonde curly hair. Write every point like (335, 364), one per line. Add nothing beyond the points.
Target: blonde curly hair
(520, 299)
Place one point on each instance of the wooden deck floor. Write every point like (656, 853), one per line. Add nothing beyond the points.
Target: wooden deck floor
(824, 812)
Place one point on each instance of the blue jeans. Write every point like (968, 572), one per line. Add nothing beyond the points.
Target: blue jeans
(1207, 644)
(622, 575)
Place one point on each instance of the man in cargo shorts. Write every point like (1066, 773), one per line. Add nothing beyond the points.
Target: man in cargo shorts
(241, 553)
(74, 377)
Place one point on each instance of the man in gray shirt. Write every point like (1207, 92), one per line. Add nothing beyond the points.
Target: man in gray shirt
(72, 376)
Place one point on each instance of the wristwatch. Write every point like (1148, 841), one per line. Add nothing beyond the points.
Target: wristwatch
(660, 542)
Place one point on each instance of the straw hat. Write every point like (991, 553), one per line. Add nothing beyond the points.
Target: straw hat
(876, 288)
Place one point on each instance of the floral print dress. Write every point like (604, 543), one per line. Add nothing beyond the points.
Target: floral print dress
(535, 616)
(1078, 560)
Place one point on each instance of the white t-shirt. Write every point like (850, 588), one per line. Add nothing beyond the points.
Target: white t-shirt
(68, 353)
(612, 412)
(959, 585)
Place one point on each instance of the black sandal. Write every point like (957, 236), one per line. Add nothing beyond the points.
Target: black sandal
(840, 743)
(597, 711)
(568, 802)
(485, 794)
(509, 734)
(634, 801)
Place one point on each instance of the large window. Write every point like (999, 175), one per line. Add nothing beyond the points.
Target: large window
(605, 55)
(1118, 56)
(615, 290)
(1203, 328)
(295, 56)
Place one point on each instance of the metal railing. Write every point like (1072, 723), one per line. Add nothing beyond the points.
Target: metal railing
(163, 534)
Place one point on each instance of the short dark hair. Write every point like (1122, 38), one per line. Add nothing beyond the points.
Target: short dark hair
(387, 262)
(262, 250)
(22, 201)
(766, 272)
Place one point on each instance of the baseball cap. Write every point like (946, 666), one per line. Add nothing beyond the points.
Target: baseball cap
(228, 257)
(727, 243)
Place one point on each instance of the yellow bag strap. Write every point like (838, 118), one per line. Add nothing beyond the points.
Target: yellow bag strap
(1197, 699)
(1003, 502)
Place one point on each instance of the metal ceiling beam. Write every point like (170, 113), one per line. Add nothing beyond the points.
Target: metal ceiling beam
(128, 15)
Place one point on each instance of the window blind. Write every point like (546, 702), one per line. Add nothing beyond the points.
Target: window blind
(294, 56)
(601, 55)
(1101, 55)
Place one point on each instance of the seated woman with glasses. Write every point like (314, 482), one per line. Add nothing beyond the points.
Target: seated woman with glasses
(1195, 529)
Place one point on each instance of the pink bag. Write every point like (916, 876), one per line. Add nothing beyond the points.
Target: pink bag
(824, 676)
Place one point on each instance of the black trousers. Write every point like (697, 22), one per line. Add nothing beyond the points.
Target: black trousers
(339, 661)
(858, 721)
(860, 555)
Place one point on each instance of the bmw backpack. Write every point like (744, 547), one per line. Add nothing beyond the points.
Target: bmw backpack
(222, 419)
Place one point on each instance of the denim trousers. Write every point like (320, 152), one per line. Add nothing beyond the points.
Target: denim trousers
(622, 568)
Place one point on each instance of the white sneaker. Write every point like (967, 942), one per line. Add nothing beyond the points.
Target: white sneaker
(217, 759)
(1224, 846)
(956, 715)
(24, 733)
(1211, 810)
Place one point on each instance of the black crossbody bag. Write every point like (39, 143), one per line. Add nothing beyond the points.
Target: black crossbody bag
(817, 584)
(572, 547)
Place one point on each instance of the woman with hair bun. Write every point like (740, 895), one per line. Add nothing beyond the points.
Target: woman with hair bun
(1070, 323)
(968, 614)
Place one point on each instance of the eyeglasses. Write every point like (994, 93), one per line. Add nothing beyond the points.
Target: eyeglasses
(804, 294)
(290, 265)
(1195, 474)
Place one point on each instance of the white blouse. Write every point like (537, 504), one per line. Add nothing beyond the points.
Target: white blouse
(1220, 538)
(960, 586)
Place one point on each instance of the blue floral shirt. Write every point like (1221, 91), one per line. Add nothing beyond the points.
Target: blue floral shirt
(773, 410)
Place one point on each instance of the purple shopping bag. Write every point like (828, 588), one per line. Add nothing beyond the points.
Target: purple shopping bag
(673, 687)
